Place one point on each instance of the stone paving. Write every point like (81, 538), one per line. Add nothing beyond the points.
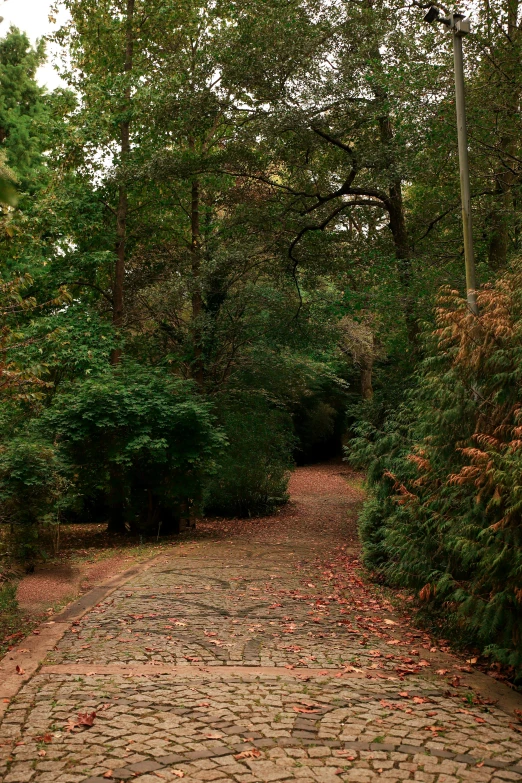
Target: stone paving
(261, 657)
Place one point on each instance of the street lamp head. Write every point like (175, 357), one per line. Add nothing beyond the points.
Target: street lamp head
(433, 15)
(456, 22)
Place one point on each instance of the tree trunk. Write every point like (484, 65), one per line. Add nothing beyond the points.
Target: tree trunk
(366, 363)
(116, 503)
(366, 381)
(498, 249)
(400, 235)
(123, 199)
(197, 300)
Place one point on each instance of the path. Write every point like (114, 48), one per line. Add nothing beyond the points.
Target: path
(260, 657)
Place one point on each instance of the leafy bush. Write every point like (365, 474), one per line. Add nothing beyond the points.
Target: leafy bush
(445, 512)
(140, 442)
(253, 472)
(33, 485)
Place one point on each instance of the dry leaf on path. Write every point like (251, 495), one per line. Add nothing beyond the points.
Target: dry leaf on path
(254, 753)
(178, 773)
(19, 670)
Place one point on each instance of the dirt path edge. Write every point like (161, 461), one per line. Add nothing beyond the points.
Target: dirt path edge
(17, 668)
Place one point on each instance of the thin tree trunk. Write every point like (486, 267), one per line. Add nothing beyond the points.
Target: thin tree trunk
(123, 198)
(400, 235)
(197, 300)
(498, 249)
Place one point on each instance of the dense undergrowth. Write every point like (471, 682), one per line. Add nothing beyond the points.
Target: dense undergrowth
(444, 512)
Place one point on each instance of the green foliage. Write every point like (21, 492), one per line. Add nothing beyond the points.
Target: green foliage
(23, 112)
(33, 486)
(140, 442)
(252, 475)
(444, 514)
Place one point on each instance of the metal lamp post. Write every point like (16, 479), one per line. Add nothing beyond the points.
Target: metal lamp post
(459, 27)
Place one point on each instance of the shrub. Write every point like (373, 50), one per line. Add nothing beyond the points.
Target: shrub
(141, 442)
(33, 485)
(445, 511)
(253, 472)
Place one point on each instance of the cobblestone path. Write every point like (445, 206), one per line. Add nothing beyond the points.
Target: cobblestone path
(256, 657)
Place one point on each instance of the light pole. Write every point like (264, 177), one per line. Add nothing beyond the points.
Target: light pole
(459, 27)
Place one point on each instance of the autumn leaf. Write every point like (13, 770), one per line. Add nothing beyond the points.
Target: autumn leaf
(19, 670)
(85, 719)
(308, 710)
(248, 754)
(42, 753)
(178, 773)
(442, 672)
(108, 774)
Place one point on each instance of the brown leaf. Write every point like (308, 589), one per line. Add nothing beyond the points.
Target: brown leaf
(85, 719)
(248, 754)
(308, 710)
(442, 672)
(19, 670)
(178, 773)
(108, 774)
(42, 753)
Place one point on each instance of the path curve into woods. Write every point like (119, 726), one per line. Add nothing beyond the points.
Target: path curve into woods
(261, 656)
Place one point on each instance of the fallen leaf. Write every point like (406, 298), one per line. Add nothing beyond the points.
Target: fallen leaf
(85, 719)
(178, 773)
(308, 710)
(42, 753)
(19, 670)
(442, 672)
(108, 774)
(248, 754)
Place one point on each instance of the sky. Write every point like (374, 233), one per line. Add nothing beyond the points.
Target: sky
(31, 16)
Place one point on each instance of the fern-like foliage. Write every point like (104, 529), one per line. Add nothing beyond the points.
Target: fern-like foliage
(444, 515)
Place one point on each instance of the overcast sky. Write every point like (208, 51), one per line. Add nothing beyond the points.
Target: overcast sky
(31, 16)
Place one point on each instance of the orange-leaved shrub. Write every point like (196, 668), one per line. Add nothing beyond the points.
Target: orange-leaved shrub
(444, 515)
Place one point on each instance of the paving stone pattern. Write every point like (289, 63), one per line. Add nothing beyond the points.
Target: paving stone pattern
(275, 670)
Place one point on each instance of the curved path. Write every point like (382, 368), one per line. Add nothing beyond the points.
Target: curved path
(252, 653)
